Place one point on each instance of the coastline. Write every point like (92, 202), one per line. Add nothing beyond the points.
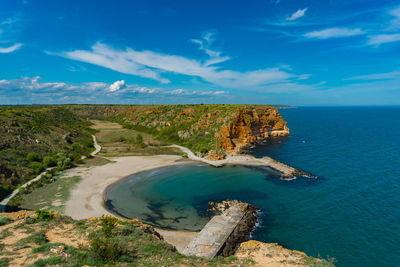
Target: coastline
(87, 198)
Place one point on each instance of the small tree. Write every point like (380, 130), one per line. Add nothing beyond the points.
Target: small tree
(139, 140)
(107, 224)
(49, 162)
(32, 156)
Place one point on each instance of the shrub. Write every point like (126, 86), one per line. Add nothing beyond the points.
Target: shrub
(4, 261)
(32, 156)
(139, 139)
(4, 220)
(105, 248)
(108, 224)
(44, 215)
(49, 162)
(64, 163)
(37, 167)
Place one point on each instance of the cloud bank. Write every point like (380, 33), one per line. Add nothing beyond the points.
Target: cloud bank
(153, 65)
(30, 90)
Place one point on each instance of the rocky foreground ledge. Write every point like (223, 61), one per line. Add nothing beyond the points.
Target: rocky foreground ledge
(45, 239)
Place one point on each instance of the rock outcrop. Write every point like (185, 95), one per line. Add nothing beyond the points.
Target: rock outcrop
(250, 126)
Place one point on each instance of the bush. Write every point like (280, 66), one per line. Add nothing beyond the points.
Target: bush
(108, 224)
(64, 163)
(4, 220)
(32, 156)
(44, 215)
(105, 248)
(103, 244)
(49, 162)
(139, 139)
(37, 167)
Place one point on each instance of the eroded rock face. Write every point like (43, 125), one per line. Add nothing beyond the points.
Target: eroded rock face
(251, 125)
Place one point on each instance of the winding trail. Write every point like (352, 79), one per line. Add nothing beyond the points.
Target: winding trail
(5, 201)
(96, 146)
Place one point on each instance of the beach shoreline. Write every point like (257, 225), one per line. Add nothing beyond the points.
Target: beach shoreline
(87, 198)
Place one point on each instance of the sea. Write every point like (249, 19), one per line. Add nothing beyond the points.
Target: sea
(350, 212)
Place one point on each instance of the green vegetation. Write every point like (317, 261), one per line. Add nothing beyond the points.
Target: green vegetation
(4, 220)
(37, 137)
(193, 126)
(118, 141)
(105, 241)
(45, 194)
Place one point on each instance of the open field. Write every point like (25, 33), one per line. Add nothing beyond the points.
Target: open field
(118, 141)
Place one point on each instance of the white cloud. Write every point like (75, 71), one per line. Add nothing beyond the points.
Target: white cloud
(185, 92)
(298, 14)
(204, 44)
(121, 61)
(31, 86)
(10, 49)
(377, 76)
(151, 64)
(377, 40)
(9, 21)
(334, 33)
(117, 85)
(395, 22)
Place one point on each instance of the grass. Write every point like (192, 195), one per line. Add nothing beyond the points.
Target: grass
(117, 141)
(47, 262)
(36, 137)
(51, 196)
(109, 242)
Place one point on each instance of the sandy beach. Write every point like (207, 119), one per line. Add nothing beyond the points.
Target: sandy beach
(86, 199)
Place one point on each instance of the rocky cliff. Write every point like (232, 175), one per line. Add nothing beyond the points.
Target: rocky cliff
(250, 126)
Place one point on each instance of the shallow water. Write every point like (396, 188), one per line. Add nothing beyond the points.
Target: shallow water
(351, 212)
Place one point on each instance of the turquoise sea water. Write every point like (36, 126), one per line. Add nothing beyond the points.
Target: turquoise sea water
(350, 212)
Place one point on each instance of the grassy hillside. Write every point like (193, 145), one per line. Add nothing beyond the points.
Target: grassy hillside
(193, 126)
(37, 137)
(42, 239)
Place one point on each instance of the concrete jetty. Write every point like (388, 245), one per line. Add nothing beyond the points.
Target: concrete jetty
(222, 234)
(287, 172)
(213, 236)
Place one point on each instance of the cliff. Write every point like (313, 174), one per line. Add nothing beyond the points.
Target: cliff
(250, 126)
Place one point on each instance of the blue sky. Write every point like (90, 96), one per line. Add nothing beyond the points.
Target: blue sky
(315, 52)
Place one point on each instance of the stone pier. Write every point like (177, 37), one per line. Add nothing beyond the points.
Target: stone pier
(223, 232)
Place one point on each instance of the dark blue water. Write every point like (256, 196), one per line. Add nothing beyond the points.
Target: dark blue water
(351, 212)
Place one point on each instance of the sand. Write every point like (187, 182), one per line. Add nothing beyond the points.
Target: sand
(86, 199)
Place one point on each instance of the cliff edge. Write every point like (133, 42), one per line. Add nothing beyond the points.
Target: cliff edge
(250, 126)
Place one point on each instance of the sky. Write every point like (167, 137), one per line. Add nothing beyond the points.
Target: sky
(288, 52)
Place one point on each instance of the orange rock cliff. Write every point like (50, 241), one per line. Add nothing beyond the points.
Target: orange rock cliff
(250, 126)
